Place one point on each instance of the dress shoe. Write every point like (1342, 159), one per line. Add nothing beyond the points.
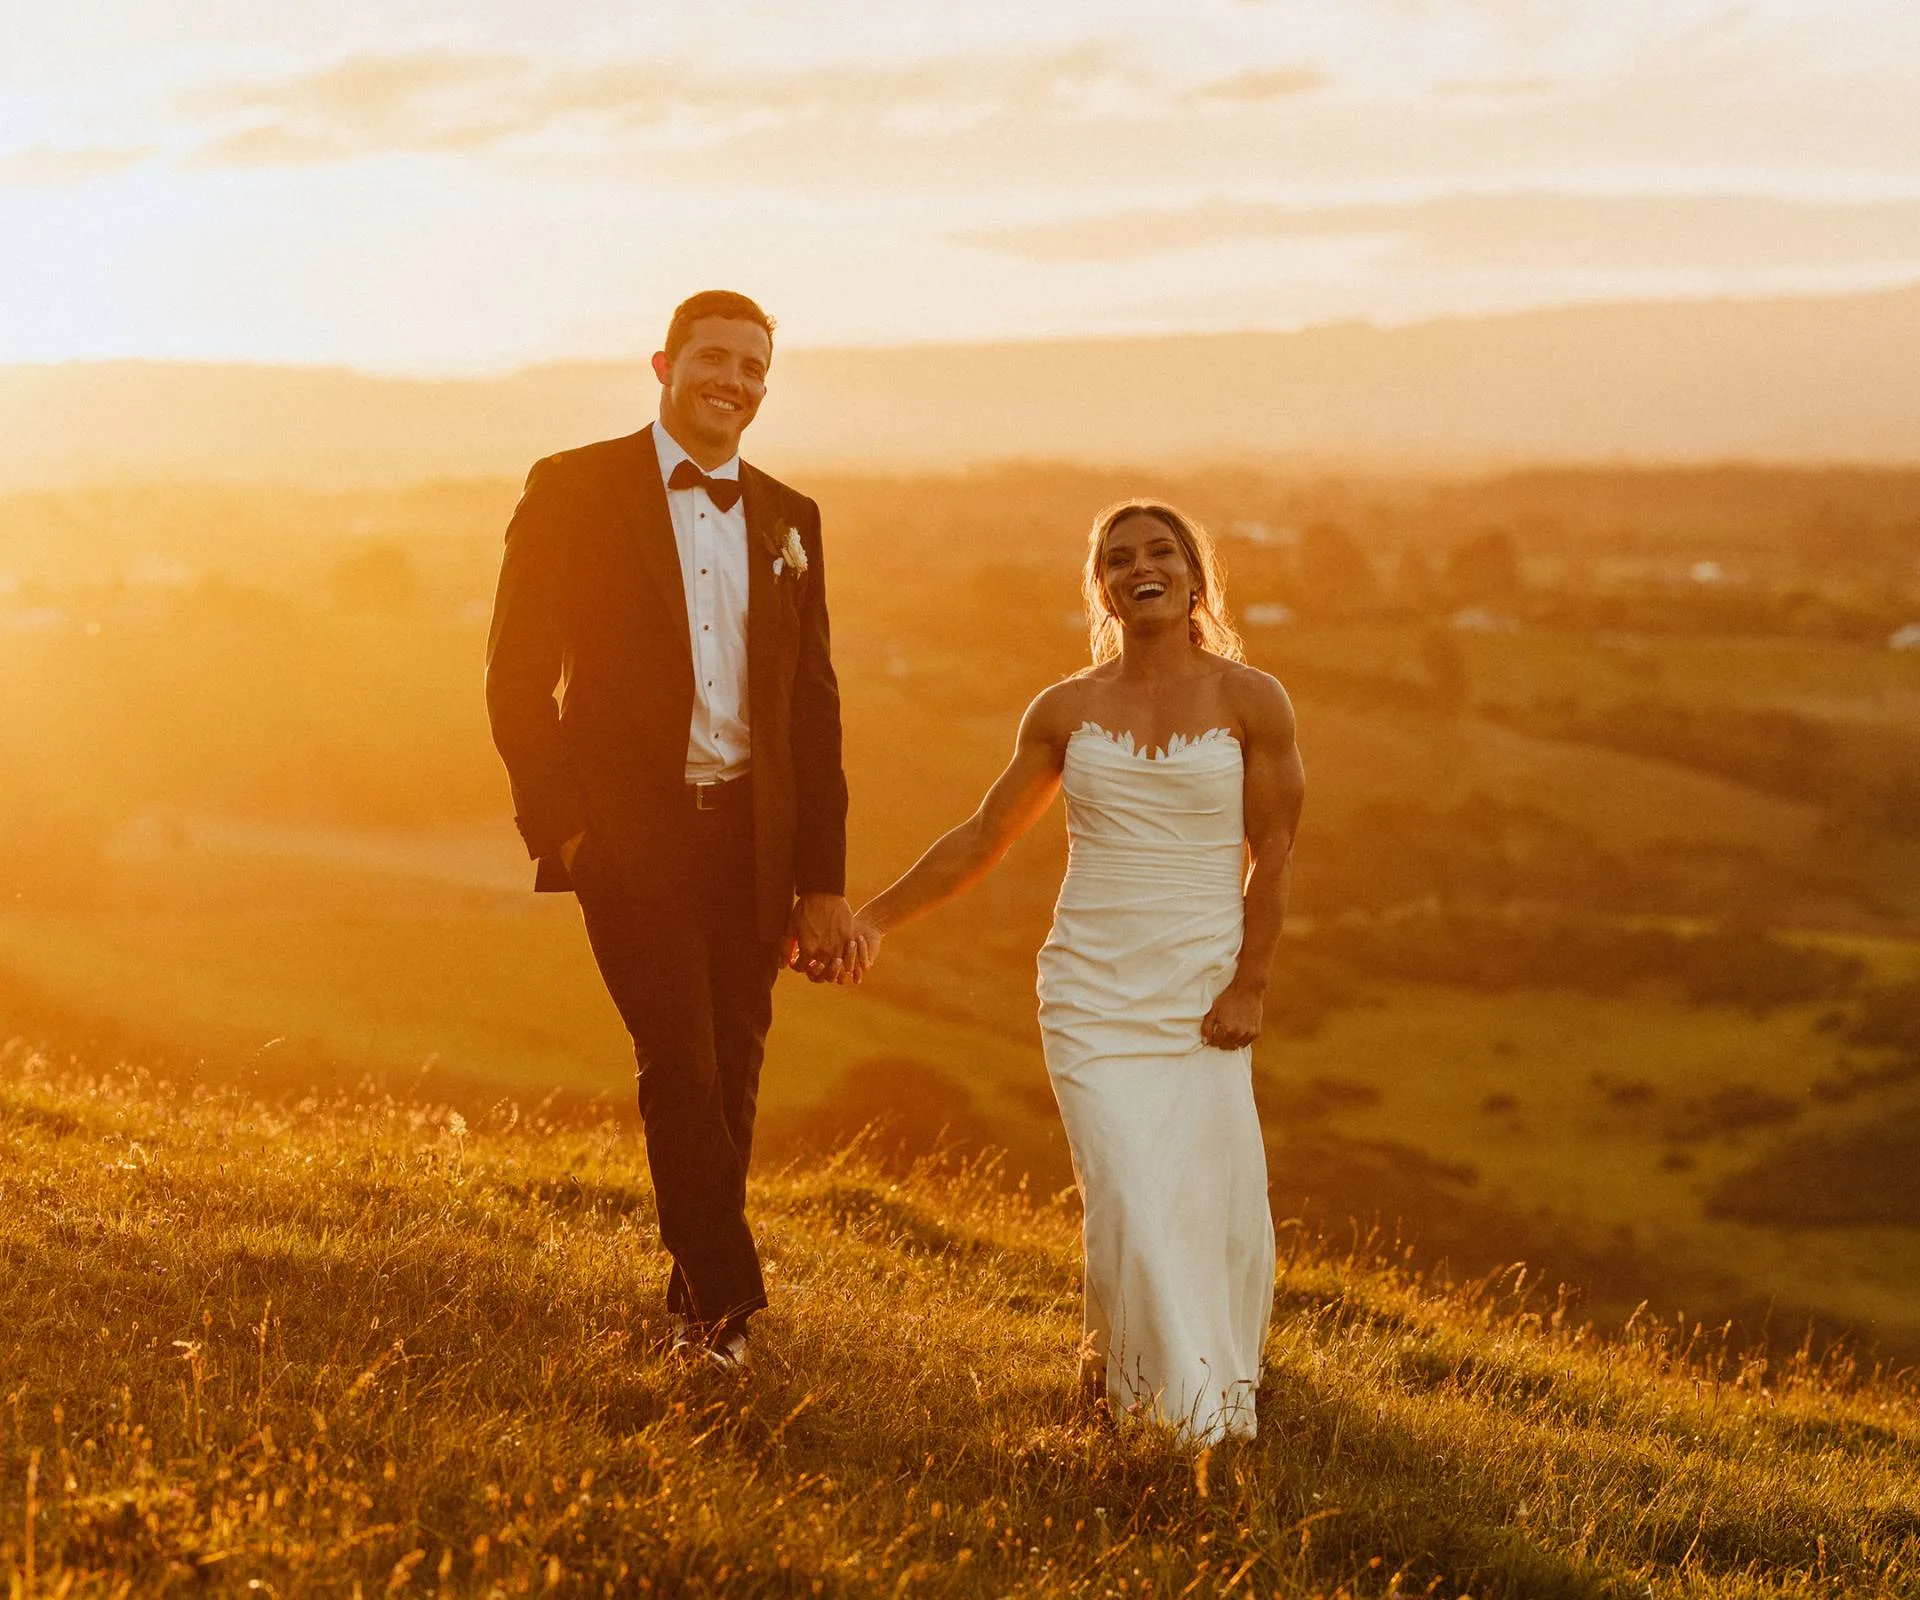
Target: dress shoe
(727, 1352)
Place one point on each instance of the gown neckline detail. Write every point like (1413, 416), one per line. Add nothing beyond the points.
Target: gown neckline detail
(1177, 744)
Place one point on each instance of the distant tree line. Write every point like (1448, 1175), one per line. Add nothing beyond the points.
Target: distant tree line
(1496, 950)
(1866, 781)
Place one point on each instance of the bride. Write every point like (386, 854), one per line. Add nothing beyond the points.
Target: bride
(1183, 788)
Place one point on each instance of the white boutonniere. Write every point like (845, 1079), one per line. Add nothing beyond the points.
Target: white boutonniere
(793, 554)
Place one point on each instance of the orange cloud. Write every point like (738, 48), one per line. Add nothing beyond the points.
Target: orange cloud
(427, 99)
(1519, 229)
(370, 89)
(1258, 87)
(441, 100)
(45, 166)
(1498, 88)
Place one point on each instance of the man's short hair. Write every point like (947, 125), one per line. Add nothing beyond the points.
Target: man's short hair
(712, 303)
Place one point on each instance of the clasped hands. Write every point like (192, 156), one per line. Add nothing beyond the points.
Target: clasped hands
(825, 940)
(828, 942)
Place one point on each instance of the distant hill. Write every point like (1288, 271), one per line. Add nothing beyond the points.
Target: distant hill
(1834, 379)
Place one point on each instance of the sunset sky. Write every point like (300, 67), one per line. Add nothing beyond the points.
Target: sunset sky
(423, 187)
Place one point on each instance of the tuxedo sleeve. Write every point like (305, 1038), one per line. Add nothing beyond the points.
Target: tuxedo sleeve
(526, 653)
(820, 780)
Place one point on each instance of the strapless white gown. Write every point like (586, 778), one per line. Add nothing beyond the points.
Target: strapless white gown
(1165, 1140)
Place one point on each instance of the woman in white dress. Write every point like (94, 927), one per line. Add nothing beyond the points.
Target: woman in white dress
(1184, 787)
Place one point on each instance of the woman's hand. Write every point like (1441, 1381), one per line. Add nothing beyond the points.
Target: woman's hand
(1233, 1021)
(862, 948)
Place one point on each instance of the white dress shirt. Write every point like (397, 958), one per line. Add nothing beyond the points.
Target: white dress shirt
(713, 570)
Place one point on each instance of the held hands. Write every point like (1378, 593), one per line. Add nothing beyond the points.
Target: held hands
(829, 943)
(820, 940)
(823, 939)
(1233, 1022)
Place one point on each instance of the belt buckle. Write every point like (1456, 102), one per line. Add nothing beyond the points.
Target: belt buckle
(706, 795)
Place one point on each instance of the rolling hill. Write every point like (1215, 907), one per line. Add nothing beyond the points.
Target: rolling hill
(1834, 379)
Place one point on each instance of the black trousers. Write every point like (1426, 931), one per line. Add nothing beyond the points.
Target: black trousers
(693, 981)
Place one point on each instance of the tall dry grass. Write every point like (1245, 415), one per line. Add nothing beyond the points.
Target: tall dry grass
(359, 1348)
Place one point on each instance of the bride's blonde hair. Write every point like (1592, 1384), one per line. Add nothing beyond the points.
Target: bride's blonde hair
(1208, 626)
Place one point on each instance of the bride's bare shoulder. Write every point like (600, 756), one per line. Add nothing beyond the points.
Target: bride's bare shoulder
(1059, 708)
(1259, 700)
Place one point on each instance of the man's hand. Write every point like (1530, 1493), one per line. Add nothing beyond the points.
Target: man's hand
(1234, 1020)
(820, 939)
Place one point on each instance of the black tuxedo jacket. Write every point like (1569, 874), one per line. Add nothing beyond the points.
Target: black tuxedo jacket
(591, 600)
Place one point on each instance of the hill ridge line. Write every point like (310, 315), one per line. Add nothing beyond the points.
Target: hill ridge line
(1797, 379)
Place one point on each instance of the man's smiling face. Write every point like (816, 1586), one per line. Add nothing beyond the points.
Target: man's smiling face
(712, 387)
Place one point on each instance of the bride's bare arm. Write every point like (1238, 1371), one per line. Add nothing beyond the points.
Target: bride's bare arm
(1276, 787)
(962, 856)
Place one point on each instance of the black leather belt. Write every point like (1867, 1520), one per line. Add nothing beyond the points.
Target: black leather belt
(715, 794)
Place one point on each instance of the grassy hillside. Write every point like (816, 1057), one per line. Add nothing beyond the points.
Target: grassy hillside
(362, 1347)
(1595, 906)
(1584, 1125)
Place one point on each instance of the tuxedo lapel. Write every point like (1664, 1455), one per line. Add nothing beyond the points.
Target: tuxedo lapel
(762, 509)
(646, 500)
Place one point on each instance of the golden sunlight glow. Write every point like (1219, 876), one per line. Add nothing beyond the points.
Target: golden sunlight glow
(480, 188)
(1546, 377)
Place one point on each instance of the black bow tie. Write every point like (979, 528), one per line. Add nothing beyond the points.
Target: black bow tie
(723, 492)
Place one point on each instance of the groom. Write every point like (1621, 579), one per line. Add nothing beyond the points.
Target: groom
(687, 785)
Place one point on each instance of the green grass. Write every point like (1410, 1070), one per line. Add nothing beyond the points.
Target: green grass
(1597, 1088)
(365, 1347)
(495, 996)
(374, 987)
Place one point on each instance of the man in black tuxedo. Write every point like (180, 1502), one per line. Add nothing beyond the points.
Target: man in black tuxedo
(688, 784)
